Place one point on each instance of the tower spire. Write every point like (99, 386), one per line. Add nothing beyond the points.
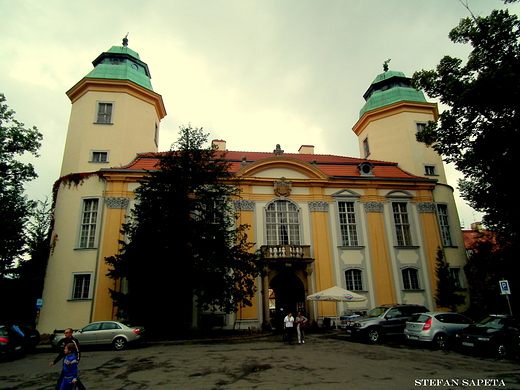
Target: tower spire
(385, 65)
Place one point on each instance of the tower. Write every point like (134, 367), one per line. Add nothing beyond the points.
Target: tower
(393, 113)
(115, 113)
(388, 122)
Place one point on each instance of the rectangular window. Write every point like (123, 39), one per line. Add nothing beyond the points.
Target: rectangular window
(99, 156)
(104, 113)
(81, 286)
(89, 216)
(354, 280)
(420, 126)
(347, 223)
(411, 279)
(456, 275)
(366, 147)
(444, 224)
(429, 170)
(402, 224)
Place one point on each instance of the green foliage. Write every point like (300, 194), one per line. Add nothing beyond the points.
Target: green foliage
(480, 131)
(15, 209)
(447, 293)
(182, 239)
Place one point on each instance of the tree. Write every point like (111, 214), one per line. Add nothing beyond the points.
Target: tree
(480, 130)
(26, 284)
(15, 210)
(447, 293)
(492, 259)
(182, 240)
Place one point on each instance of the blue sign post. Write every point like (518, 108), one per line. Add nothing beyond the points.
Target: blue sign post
(504, 290)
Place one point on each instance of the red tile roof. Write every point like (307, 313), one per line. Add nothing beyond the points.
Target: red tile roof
(330, 165)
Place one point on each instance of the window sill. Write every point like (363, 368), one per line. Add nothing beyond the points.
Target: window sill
(101, 123)
(85, 249)
(99, 162)
(406, 247)
(414, 290)
(354, 247)
(79, 299)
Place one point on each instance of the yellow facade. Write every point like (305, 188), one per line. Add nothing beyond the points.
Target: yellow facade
(342, 212)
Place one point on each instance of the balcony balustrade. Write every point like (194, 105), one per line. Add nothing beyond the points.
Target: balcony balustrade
(286, 252)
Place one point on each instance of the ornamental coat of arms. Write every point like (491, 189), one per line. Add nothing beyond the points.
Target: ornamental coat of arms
(282, 187)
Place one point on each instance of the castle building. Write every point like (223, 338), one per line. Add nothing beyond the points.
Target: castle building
(372, 225)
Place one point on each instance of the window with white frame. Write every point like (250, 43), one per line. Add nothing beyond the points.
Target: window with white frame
(354, 279)
(411, 279)
(402, 223)
(282, 223)
(347, 224)
(88, 225)
(456, 275)
(81, 286)
(99, 156)
(430, 170)
(444, 224)
(104, 112)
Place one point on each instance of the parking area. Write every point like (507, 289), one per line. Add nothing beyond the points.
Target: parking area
(326, 361)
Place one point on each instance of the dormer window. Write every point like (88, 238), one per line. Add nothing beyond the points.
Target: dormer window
(365, 168)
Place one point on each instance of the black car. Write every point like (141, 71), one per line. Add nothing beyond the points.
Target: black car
(498, 334)
(383, 320)
(17, 338)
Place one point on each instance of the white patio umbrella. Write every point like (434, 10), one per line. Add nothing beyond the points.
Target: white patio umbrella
(336, 294)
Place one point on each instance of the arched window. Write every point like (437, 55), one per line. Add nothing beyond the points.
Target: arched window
(411, 279)
(282, 223)
(354, 280)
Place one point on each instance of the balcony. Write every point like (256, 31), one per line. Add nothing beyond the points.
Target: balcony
(287, 252)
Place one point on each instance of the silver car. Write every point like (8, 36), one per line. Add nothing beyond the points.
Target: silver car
(103, 333)
(437, 327)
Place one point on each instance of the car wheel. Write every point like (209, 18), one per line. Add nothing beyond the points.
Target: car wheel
(119, 343)
(58, 347)
(501, 350)
(374, 335)
(440, 341)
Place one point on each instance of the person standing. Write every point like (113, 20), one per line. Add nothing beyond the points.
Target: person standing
(288, 325)
(69, 372)
(301, 323)
(69, 339)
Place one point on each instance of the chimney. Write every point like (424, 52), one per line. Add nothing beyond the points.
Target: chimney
(219, 143)
(306, 149)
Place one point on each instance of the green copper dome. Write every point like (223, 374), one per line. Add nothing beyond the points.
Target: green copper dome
(387, 88)
(121, 63)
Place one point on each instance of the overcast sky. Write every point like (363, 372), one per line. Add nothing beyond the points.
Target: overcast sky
(255, 73)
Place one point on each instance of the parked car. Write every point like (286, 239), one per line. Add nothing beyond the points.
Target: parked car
(498, 334)
(14, 338)
(382, 320)
(103, 333)
(438, 328)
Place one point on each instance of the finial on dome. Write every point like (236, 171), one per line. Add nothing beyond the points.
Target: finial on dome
(385, 64)
(125, 40)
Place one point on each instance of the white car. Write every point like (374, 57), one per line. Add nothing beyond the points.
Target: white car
(103, 333)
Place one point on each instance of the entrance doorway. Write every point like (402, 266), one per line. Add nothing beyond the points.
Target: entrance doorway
(287, 296)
